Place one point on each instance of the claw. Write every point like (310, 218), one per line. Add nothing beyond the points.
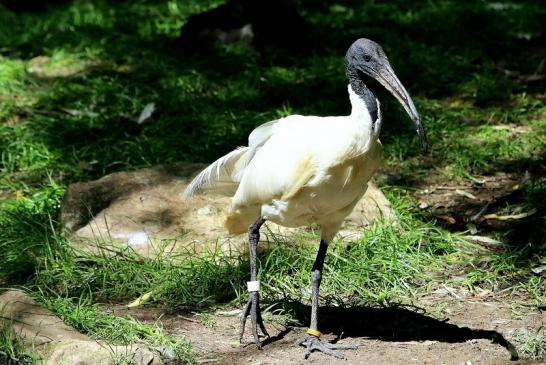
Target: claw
(261, 323)
(252, 307)
(244, 315)
(314, 344)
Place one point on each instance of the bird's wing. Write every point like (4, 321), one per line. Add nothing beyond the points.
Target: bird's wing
(222, 176)
(261, 134)
(282, 162)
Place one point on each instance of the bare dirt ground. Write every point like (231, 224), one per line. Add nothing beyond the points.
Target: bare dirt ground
(450, 328)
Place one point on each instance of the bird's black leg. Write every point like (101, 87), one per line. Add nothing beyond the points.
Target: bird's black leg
(312, 339)
(252, 307)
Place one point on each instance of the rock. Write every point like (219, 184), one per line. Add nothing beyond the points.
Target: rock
(47, 68)
(83, 201)
(55, 342)
(373, 205)
(143, 210)
(93, 352)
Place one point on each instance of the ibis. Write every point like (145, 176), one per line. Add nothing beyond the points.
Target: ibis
(301, 170)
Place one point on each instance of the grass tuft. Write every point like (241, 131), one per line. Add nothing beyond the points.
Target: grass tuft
(532, 343)
(89, 318)
(12, 351)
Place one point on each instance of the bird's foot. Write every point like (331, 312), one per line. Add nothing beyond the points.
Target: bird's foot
(313, 343)
(252, 307)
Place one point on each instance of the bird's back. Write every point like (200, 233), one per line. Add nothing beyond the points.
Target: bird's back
(309, 170)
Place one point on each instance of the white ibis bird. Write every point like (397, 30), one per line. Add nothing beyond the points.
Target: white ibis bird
(300, 170)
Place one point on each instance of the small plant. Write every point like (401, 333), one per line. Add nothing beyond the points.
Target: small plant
(208, 319)
(12, 351)
(533, 343)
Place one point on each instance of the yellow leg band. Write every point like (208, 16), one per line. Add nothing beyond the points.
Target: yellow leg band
(313, 333)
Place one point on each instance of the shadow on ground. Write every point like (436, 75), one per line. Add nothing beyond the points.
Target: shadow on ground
(392, 324)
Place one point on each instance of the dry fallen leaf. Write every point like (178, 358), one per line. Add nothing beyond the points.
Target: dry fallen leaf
(140, 300)
(146, 113)
(447, 218)
(510, 216)
(84, 166)
(484, 241)
(465, 194)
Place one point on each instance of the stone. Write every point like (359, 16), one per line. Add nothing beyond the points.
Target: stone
(143, 211)
(93, 352)
(374, 205)
(55, 342)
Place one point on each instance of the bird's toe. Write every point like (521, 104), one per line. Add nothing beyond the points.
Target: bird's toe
(313, 343)
(252, 309)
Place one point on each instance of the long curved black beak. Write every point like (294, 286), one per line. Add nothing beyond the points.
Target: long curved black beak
(386, 77)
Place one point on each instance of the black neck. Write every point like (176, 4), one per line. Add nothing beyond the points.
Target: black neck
(360, 89)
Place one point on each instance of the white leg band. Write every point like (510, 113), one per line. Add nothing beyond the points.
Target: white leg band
(253, 286)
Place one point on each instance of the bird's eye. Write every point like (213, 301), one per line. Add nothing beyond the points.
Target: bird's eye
(367, 58)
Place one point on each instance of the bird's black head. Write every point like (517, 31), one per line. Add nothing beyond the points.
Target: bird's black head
(367, 58)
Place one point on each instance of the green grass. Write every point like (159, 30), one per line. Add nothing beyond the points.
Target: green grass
(12, 351)
(89, 318)
(74, 79)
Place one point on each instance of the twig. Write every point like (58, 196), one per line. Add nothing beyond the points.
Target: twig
(188, 319)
